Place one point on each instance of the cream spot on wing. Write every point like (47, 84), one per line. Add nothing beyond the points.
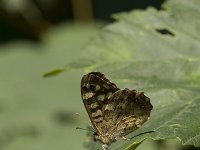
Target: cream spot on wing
(97, 113)
(87, 85)
(94, 105)
(109, 107)
(108, 95)
(101, 97)
(97, 87)
(87, 95)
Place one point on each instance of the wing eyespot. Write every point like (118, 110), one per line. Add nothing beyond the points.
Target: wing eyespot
(92, 87)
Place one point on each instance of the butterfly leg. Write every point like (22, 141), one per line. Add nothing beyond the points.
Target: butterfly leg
(105, 147)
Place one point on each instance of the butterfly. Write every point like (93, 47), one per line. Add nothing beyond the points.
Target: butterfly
(114, 113)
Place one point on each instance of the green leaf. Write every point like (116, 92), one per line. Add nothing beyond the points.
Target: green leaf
(158, 52)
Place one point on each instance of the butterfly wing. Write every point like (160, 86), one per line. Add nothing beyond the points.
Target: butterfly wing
(126, 111)
(96, 90)
(113, 112)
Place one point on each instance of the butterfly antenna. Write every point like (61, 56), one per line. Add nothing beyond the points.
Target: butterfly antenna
(90, 130)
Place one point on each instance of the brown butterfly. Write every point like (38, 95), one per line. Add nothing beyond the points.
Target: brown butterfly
(113, 112)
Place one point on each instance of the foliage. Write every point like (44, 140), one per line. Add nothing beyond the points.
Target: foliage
(157, 52)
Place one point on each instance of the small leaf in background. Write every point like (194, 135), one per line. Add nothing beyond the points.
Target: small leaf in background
(54, 72)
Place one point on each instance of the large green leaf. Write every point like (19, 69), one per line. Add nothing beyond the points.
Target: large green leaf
(157, 52)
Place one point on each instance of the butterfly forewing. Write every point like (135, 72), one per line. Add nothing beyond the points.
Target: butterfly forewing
(96, 90)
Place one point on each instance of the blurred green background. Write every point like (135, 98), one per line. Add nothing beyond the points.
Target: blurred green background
(37, 36)
(38, 113)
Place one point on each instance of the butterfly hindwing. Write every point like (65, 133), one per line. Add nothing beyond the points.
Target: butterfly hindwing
(126, 111)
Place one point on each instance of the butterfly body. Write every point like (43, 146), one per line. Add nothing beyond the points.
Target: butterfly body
(113, 112)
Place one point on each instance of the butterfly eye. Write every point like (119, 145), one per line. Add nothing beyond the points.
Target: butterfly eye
(92, 87)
